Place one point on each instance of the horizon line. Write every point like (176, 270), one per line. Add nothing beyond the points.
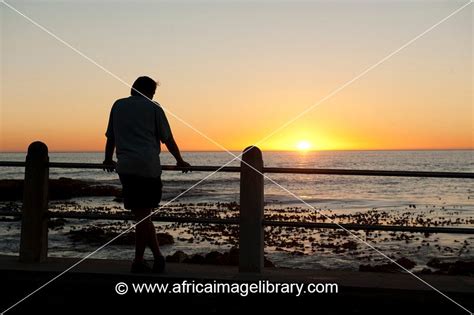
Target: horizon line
(272, 150)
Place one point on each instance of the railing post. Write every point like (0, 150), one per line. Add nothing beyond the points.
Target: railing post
(251, 212)
(34, 227)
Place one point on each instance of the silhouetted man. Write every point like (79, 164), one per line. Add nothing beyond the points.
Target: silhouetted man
(136, 127)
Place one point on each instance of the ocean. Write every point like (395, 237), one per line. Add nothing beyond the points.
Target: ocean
(394, 199)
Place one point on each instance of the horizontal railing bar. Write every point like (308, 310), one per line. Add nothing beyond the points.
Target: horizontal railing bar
(117, 216)
(235, 221)
(323, 171)
(369, 227)
(113, 216)
(280, 170)
(12, 164)
(10, 214)
(235, 169)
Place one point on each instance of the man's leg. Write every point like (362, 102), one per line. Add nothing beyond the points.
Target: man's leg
(145, 235)
(141, 232)
(153, 241)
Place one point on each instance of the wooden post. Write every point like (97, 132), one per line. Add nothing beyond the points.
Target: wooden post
(34, 228)
(251, 237)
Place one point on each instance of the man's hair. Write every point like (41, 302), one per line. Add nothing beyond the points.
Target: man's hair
(144, 85)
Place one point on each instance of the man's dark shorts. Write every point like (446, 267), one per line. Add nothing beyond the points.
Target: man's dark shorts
(140, 192)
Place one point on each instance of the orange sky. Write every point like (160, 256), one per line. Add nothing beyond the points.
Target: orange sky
(238, 71)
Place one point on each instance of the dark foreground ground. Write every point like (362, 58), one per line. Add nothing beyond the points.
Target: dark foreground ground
(90, 289)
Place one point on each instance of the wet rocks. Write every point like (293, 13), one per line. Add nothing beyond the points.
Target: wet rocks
(101, 235)
(11, 189)
(66, 188)
(437, 264)
(56, 224)
(230, 258)
(349, 245)
(90, 235)
(195, 259)
(290, 244)
(178, 257)
(459, 267)
(214, 258)
(164, 238)
(406, 263)
(62, 188)
(389, 267)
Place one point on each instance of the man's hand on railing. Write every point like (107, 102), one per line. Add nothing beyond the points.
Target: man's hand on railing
(109, 165)
(182, 163)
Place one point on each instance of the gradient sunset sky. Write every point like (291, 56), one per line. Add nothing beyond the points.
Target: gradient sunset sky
(237, 70)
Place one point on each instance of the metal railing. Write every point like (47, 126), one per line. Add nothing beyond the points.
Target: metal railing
(35, 214)
(279, 170)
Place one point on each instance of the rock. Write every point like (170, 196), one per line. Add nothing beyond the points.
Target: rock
(214, 258)
(350, 245)
(178, 257)
(425, 271)
(62, 188)
(164, 238)
(230, 258)
(437, 264)
(389, 267)
(92, 234)
(406, 263)
(195, 259)
(11, 189)
(459, 267)
(56, 224)
(378, 268)
(98, 235)
(129, 238)
(66, 188)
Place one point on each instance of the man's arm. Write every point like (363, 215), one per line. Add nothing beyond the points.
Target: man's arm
(109, 153)
(164, 135)
(109, 149)
(110, 144)
(174, 150)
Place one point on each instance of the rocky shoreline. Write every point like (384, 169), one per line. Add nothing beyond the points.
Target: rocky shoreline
(101, 233)
(230, 258)
(97, 235)
(414, 251)
(61, 188)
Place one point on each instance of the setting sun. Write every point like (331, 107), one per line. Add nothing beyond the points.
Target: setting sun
(303, 145)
